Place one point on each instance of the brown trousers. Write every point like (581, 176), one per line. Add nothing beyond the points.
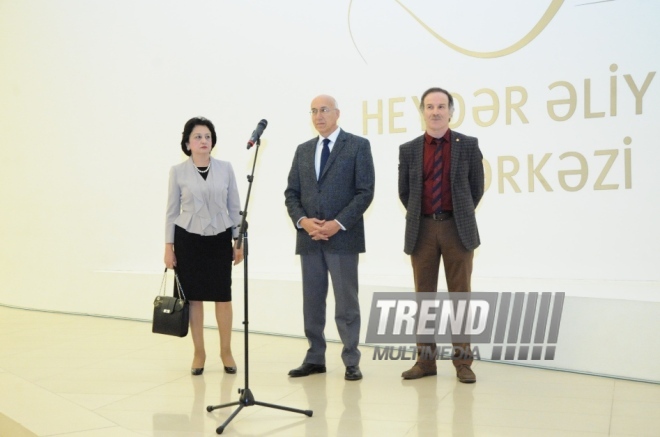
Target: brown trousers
(436, 240)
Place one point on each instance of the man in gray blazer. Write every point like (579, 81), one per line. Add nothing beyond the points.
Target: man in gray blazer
(441, 181)
(330, 186)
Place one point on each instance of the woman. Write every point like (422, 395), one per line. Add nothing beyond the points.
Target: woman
(203, 215)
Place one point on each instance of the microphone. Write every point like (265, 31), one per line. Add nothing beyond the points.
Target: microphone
(256, 134)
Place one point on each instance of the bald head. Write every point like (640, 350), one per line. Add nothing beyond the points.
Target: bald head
(325, 114)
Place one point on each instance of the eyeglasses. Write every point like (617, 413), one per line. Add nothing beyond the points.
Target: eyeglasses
(323, 110)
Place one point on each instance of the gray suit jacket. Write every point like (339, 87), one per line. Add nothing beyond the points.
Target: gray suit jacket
(343, 192)
(204, 207)
(467, 187)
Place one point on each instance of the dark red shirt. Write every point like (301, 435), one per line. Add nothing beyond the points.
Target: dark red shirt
(429, 153)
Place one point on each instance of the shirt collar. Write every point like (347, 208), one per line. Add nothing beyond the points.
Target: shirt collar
(332, 137)
(428, 139)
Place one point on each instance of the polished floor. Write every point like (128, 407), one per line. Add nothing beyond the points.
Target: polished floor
(69, 375)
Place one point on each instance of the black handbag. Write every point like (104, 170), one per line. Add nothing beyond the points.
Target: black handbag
(171, 314)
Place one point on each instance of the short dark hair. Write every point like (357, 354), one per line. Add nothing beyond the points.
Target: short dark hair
(437, 90)
(188, 128)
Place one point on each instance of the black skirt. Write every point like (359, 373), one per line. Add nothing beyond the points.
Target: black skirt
(203, 265)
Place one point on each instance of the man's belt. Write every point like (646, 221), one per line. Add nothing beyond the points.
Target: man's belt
(440, 216)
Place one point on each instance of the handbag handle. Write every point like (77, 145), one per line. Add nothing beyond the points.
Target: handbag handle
(178, 283)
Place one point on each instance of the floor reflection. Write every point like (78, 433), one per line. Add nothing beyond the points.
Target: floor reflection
(350, 421)
(141, 386)
(463, 397)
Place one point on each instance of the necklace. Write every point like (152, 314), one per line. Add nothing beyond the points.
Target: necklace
(204, 171)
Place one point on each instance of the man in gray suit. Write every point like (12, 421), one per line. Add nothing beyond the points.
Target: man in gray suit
(330, 186)
(441, 181)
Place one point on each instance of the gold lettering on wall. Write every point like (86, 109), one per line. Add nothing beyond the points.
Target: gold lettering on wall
(508, 175)
(627, 154)
(494, 107)
(393, 114)
(587, 102)
(366, 116)
(582, 171)
(599, 185)
(515, 106)
(571, 177)
(571, 101)
(535, 172)
(488, 174)
(639, 93)
(613, 90)
(485, 108)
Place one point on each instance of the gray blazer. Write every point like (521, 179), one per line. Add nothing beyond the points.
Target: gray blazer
(467, 187)
(204, 207)
(343, 192)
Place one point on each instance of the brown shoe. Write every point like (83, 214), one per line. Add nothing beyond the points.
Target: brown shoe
(465, 374)
(419, 371)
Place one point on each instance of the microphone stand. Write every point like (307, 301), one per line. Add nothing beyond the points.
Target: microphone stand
(247, 398)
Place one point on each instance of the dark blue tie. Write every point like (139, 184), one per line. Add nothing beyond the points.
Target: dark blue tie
(325, 154)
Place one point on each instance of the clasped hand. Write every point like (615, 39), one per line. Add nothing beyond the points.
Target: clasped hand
(320, 229)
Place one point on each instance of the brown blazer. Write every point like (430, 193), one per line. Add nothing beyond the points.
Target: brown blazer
(467, 187)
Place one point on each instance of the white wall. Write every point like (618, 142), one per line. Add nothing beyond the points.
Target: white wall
(94, 96)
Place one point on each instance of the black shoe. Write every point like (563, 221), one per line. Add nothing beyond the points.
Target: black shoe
(230, 369)
(353, 373)
(307, 369)
(197, 371)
